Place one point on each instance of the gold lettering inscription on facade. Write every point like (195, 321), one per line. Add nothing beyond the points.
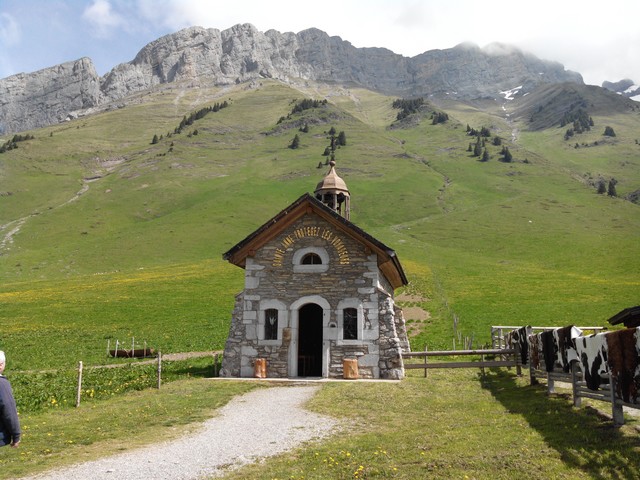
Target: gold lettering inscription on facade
(278, 256)
(307, 232)
(287, 242)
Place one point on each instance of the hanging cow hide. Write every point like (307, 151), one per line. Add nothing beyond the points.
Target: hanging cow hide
(624, 355)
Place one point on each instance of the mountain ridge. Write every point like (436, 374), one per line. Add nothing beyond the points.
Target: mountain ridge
(242, 53)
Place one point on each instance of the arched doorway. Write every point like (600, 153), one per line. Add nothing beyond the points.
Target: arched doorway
(310, 341)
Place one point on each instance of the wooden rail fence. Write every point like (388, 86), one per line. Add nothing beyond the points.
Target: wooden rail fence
(506, 357)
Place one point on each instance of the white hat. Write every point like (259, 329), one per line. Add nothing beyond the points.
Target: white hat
(2, 357)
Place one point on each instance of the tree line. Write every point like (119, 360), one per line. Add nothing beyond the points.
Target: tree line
(410, 106)
(336, 139)
(407, 106)
(301, 106)
(189, 120)
(13, 142)
(479, 147)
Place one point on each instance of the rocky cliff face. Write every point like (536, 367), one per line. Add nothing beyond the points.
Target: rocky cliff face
(470, 72)
(47, 96)
(242, 53)
(627, 88)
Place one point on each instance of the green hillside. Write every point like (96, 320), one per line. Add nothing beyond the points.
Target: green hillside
(104, 235)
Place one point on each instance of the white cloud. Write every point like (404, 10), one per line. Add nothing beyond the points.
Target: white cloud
(103, 18)
(10, 33)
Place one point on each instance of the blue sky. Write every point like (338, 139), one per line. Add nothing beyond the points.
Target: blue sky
(601, 40)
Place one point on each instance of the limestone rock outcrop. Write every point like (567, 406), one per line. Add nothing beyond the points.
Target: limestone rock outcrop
(45, 97)
(242, 53)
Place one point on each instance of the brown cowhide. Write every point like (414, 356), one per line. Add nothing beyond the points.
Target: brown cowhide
(624, 356)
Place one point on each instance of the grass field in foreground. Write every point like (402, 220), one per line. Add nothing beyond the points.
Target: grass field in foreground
(450, 425)
(459, 426)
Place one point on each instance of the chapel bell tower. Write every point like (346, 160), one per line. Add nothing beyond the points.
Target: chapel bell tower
(333, 192)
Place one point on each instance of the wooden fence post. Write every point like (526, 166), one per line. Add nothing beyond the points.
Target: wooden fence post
(159, 369)
(425, 362)
(616, 409)
(517, 357)
(577, 399)
(79, 390)
(532, 374)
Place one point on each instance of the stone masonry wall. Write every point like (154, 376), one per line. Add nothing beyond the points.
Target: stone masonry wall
(348, 278)
(231, 357)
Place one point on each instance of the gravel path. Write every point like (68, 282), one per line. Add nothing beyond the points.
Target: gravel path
(259, 424)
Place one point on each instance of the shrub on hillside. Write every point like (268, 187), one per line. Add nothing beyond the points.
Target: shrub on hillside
(407, 106)
(13, 143)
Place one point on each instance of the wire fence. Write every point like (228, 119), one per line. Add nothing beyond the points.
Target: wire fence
(68, 387)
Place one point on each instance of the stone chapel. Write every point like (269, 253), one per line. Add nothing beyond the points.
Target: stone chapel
(318, 290)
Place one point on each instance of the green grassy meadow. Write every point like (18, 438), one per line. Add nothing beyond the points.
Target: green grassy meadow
(119, 238)
(104, 236)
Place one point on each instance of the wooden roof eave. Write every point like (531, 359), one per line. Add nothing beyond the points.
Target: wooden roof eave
(264, 234)
(387, 260)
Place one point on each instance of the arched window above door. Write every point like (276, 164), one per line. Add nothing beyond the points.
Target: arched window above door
(310, 260)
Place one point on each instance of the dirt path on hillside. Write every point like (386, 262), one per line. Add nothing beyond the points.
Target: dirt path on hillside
(259, 424)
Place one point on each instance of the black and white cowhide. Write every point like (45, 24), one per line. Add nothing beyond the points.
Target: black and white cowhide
(593, 353)
(520, 338)
(565, 347)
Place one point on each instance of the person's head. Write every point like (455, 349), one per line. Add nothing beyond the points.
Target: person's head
(3, 360)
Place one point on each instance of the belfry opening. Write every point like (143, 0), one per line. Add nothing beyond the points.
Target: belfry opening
(333, 192)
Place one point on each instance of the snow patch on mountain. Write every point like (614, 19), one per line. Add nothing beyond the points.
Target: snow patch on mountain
(510, 94)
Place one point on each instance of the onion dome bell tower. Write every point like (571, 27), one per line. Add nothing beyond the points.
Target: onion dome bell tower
(333, 192)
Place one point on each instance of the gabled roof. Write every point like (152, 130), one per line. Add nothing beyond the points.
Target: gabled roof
(387, 260)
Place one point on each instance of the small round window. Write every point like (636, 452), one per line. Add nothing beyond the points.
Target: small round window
(311, 259)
